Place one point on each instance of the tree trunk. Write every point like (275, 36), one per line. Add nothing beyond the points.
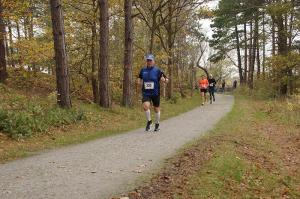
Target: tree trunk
(11, 44)
(19, 39)
(264, 49)
(152, 33)
(34, 67)
(151, 41)
(179, 70)
(257, 48)
(246, 52)
(282, 49)
(170, 84)
(62, 72)
(31, 33)
(250, 50)
(170, 52)
(128, 53)
(7, 52)
(273, 36)
(239, 54)
(290, 35)
(191, 78)
(250, 71)
(103, 64)
(258, 60)
(25, 22)
(153, 28)
(180, 80)
(93, 56)
(18, 30)
(3, 73)
(291, 24)
(253, 53)
(30, 28)
(282, 36)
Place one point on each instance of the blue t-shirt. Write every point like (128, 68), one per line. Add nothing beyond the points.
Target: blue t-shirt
(151, 77)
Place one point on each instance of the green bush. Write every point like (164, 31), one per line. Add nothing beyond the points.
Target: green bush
(174, 99)
(16, 124)
(263, 90)
(285, 110)
(58, 116)
(36, 119)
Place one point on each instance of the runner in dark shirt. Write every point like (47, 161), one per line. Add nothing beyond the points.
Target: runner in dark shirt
(211, 88)
(223, 86)
(150, 76)
(234, 84)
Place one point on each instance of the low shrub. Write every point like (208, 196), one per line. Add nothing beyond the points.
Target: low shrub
(263, 90)
(36, 119)
(174, 99)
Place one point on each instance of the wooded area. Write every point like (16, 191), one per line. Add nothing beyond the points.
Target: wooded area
(99, 46)
(265, 36)
(68, 71)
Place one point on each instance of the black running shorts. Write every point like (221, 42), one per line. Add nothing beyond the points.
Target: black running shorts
(154, 99)
(203, 90)
(211, 89)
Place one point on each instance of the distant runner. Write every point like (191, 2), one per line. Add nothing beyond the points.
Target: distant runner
(150, 76)
(211, 88)
(203, 84)
(234, 84)
(223, 86)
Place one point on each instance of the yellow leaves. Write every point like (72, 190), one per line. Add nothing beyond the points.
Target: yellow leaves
(34, 51)
(205, 12)
(15, 9)
(279, 8)
(289, 61)
(115, 3)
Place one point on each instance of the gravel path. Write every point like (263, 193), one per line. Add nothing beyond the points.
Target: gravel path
(105, 167)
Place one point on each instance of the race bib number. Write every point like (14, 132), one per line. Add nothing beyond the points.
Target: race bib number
(149, 85)
(212, 84)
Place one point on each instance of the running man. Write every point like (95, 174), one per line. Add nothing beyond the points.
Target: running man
(234, 84)
(203, 84)
(223, 86)
(150, 76)
(211, 88)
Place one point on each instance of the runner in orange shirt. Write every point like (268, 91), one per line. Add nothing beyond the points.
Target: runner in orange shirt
(203, 85)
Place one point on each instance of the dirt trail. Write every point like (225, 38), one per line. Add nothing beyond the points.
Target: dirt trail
(105, 167)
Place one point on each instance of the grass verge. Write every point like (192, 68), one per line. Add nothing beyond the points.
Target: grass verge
(259, 157)
(99, 123)
(251, 153)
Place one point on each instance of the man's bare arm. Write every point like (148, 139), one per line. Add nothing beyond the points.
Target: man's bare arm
(139, 81)
(164, 78)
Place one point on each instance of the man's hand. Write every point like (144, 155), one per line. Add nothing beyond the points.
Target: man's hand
(164, 79)
(139, 81)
